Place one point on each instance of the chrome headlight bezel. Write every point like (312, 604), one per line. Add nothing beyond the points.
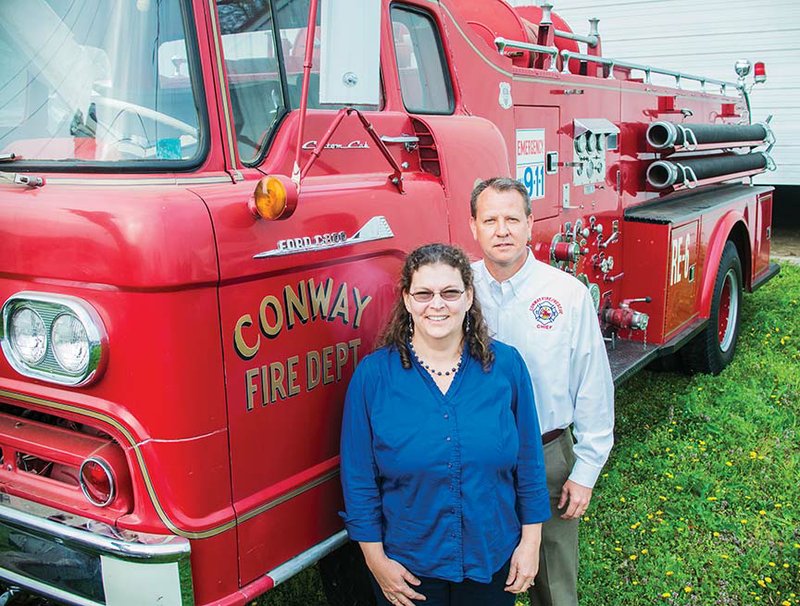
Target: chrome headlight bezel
(49, 307)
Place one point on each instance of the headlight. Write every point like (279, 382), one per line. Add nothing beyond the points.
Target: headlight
(27, 335)
(70, 343)
(54, 338)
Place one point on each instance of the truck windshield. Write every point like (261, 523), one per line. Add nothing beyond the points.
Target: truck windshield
(96, 81)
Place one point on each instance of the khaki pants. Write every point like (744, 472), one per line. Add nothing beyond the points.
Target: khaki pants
(557, 581)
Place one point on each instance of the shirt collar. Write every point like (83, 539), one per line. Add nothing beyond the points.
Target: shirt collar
(515, 282)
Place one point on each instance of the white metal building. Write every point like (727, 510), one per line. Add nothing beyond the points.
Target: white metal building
(706, 38)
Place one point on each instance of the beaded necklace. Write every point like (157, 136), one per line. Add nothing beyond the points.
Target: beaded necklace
(432, 371)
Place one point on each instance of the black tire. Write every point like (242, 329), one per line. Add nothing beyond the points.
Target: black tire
(345, 577)
(713, 349)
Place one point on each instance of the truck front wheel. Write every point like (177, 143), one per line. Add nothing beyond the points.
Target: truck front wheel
(713, 349)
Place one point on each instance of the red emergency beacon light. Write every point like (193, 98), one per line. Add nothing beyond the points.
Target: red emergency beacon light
(759, 72)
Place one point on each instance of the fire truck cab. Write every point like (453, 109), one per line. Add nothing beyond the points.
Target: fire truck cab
(198, 246)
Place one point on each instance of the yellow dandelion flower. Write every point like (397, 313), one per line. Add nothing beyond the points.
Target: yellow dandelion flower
(743, 521)
(761, 583)
(729, 463)
(711, 498)
(785, 565)
(666, 594)
(645, 552)
(633, 556)
(786, 603)
(753, 454)
(772, 564)
(761, 512)
(679, 488)
(724, 556)
(650, 516)
(687, 589)
(768, 579)
(622, 499)
(669, 573)
(617, 548)
(662, 497)
(635, 583)
(716, 534)
(778, 505)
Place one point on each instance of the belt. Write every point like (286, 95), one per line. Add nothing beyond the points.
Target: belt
(551, 435)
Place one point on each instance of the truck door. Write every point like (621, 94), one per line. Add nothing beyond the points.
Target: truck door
(301, 299)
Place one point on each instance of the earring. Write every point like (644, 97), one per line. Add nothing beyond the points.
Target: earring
(410, 325)
(467, 325)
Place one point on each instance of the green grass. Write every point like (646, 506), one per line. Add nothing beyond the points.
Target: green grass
(700, 501)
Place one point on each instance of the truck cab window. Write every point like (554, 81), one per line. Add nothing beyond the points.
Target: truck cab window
(103, 82)
(424, 77)
(251, 60)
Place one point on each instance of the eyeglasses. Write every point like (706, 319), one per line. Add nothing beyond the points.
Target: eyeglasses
(426, 296)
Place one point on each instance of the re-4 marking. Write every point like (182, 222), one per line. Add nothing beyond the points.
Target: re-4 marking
(680, 263)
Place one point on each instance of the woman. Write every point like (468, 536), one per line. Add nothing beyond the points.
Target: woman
(442, 464)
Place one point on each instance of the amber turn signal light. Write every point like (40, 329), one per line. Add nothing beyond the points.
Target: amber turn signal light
(275, 197)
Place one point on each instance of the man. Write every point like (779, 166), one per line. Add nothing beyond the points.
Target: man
(549, 317)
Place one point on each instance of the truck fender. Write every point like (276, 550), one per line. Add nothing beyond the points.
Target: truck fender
(725, 226)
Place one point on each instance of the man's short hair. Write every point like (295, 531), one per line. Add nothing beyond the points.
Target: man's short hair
(499, 184)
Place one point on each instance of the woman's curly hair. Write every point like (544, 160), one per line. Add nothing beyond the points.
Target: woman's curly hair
(397, 332)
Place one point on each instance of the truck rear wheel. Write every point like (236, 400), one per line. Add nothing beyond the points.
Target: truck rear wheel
(345, 577)
(713, 349)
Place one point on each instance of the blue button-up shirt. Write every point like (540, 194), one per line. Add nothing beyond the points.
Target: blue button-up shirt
(444, 481)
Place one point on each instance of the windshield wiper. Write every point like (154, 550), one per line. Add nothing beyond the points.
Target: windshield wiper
(9, 157)
(22, 179)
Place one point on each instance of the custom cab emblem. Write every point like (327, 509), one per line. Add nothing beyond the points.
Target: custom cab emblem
(352, 145)
(377, 228)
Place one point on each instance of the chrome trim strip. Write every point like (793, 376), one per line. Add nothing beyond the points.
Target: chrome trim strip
(307, 558)
(377, 228)
(150, 181)
(222, 84)
(45, 589)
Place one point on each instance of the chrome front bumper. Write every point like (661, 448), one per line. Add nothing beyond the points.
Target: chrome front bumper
(88, 563)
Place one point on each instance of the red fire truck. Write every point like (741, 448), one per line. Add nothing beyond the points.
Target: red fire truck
(198, 245)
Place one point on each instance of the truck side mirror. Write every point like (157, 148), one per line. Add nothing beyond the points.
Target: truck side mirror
(350, 52)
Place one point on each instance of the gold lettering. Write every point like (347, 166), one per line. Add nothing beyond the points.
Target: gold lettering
(294, 388)
(320, 297)
(296, 304)
(341, 359)
(270, 330)
(264, 385)
(250, 387)
(243, 349)
(360, 305)
(313, 369)
(340, 307)
(327, 365)
(276, 386)
(354, 345)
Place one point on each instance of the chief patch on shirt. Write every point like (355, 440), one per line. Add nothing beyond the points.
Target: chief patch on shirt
(545, 310)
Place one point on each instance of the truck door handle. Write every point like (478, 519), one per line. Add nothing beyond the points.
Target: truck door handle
(410, 141)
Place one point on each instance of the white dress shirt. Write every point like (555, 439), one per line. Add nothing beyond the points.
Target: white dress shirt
(549, 317)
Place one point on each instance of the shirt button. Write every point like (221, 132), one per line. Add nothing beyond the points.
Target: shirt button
(446, 416)
(449, 465)
(447, 438)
